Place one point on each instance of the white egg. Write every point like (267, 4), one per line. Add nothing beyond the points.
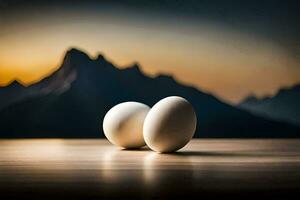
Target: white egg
(169, 125)
(123, 124)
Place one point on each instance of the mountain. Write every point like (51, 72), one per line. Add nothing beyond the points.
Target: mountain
(284, 106)
(11, 93)
(56, 83)
(72, 102)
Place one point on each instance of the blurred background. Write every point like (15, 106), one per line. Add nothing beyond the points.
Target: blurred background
(64, 64)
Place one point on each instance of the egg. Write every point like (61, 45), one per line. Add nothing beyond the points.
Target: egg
(123, 124)
(169, 125)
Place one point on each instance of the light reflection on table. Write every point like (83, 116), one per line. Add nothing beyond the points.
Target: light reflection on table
(80, 168)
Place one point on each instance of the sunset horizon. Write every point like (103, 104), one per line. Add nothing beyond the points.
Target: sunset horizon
(31, 76)
(218, 55)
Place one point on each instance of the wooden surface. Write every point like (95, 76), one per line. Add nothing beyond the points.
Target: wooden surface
(87, 169)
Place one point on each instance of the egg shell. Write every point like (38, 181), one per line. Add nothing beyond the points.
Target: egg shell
(123, 124)
(170, 124)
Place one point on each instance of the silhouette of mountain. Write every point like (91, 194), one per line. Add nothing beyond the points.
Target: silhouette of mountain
(10, 93)
(284, 106)
(57, 82)
(73, 101)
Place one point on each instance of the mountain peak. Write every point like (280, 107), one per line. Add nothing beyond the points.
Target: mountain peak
(289, 89)
(16, 83)
(74, 57)
(74, 51)
(135, 67)
(251, 98)
(100, 57)
(165, 77)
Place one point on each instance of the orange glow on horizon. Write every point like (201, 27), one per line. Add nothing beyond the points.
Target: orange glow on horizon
(215, 59)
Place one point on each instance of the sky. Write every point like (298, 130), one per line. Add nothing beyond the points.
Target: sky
(230, 49)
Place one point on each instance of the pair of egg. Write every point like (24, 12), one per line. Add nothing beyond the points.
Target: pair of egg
(168, 126)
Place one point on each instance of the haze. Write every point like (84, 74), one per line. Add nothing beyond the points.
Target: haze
(228, 61)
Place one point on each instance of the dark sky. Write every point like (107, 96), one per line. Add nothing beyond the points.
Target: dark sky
(219, 46)
(278, 20)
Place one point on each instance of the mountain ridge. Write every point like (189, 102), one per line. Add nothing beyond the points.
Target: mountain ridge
(283, 106)
(74, 99)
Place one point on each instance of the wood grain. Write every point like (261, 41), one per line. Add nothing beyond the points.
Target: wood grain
(69, 169)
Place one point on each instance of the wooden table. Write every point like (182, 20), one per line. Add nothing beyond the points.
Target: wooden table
(87, 169)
